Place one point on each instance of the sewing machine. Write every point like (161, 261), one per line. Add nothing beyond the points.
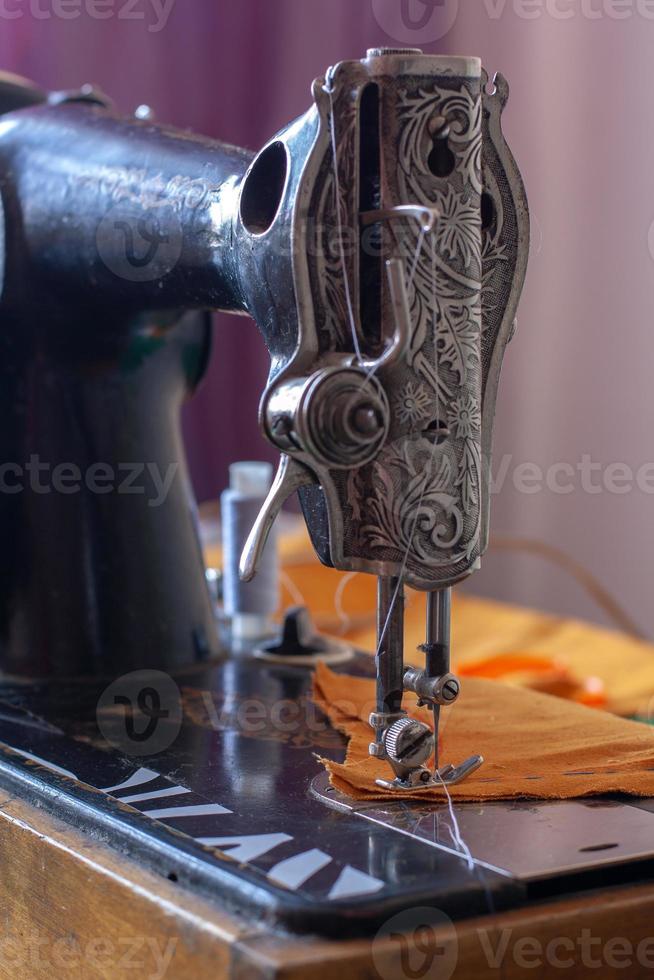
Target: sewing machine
(380, 243)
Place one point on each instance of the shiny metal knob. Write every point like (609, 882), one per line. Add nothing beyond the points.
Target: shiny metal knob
(409, 743)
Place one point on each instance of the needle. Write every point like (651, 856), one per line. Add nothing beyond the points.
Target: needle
(437, 648)
(390, 646)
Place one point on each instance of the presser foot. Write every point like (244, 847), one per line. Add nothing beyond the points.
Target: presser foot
(406, 745)
(422, 778)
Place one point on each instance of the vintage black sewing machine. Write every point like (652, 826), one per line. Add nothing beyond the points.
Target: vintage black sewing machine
(380, 243)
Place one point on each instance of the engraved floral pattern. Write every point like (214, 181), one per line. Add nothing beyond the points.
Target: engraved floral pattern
(492, 255)
(464, 416)
(424, 506)
(413, 404)
(445, 290)
(457, 230)
(446, 295)
(418, 505)
(413, 509)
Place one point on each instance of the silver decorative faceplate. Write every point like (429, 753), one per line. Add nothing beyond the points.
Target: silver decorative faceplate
(405, 129)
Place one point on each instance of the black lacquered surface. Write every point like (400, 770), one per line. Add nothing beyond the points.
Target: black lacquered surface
(248, 743)
(217, 798)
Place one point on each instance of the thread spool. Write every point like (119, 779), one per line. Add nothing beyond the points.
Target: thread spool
(249, 605)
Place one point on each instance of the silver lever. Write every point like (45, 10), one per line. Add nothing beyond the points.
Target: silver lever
(425, 215)
(401, 315)
(290, 476)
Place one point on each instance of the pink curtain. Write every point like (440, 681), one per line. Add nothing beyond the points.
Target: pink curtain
(577, 390)
(577, 381)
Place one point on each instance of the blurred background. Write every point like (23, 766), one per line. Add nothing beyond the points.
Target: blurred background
(574, 452)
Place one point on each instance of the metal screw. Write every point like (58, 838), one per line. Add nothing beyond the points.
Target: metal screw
(451, 690)
(439, 128)
(385, 52)
(365, 420)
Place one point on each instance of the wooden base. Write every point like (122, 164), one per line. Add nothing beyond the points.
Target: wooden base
(73, 907)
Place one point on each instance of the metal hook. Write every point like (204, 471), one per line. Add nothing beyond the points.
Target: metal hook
(426, 215)
(402, 316)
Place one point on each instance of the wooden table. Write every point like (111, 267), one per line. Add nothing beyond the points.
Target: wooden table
(73, 908)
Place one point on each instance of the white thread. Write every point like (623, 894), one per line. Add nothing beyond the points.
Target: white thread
(339, 218)
(453, 827)
(296, 596)
(344, 618)
(419, 505)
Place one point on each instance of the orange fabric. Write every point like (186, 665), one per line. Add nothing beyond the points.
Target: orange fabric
(534, 745)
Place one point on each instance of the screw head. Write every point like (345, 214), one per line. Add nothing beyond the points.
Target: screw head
(439, 128)
(365, 420)
(451, 690)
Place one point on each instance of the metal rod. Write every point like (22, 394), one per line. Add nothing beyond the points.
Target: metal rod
(390, 646)
(437, 647)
